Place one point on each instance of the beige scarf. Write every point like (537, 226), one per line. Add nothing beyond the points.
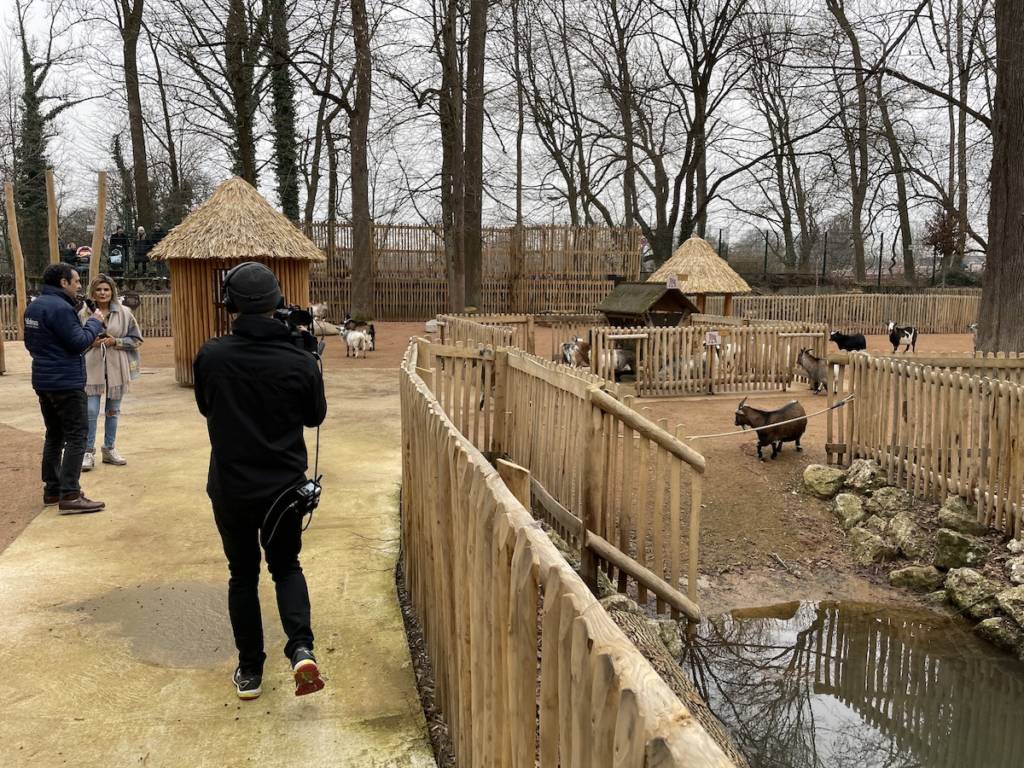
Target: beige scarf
(106, 368)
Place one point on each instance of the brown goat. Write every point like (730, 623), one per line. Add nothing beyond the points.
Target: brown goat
(748, 416)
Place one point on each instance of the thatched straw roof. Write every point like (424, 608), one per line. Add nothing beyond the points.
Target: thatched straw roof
(705, 272)
(236, 223)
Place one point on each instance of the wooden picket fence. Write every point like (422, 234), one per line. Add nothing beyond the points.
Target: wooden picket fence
(936, 430)
(526, 663)
(864, 313)
(671, 362)
(494, 330)
(605, 478)
(153, 314)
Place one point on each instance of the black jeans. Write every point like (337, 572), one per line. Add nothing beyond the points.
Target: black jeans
(240, 531)
(66, 417)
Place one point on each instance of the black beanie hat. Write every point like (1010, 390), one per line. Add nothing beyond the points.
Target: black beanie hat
(254, 289)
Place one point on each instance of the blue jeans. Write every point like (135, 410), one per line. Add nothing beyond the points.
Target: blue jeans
(109, 421)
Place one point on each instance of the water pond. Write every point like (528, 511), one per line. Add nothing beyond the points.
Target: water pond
(838, 685)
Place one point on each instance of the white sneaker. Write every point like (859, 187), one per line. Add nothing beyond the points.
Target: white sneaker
(89, 459)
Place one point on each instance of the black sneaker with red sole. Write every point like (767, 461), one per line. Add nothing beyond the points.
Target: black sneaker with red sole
(307, 674)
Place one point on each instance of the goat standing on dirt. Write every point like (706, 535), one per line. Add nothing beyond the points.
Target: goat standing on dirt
(748, 416)
(356, 341)
(816, 369)
(902, 335)
(854, 342)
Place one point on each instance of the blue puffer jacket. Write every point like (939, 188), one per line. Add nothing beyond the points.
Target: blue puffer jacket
(55, 338)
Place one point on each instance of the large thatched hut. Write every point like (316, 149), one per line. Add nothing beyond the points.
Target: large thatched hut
(236, 224)
(701, 272)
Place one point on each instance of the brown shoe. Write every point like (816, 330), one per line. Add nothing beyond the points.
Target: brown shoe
(50, 501)
(76, 504)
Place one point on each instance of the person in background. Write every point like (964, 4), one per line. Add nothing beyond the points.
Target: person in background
(70, 255)
(141, 254)
(118, 256)
(108, 369)
(56, 339)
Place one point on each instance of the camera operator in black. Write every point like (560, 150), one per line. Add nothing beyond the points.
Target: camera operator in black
(258, 390)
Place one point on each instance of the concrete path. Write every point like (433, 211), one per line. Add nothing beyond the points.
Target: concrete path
(115, 647)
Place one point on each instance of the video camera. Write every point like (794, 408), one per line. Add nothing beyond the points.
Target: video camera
(300, 323)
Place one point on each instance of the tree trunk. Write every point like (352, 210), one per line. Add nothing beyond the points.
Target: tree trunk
(474, 150)
(240, 84)
(359, 121)
(286, 165)
(859, 177)
(1000, 326)
(132, 14)
(452, 158)
(176, 202)
(961, 140)
(899, 172)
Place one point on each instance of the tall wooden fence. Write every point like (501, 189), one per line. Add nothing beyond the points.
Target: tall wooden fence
(864, 313)
(936, 430)
(153, 314)
(529, 269)
(527, 665)
(675, 361)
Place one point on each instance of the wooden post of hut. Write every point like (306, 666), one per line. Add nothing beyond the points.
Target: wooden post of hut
(235, 225)
(701, 273)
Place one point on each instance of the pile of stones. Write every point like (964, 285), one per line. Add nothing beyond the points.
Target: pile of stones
(954, 558)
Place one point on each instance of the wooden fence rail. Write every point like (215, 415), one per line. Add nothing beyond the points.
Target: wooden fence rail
(527, 665)
(936, 430)
(674, 361)
(864, 313)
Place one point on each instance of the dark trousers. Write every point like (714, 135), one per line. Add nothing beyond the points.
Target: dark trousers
(66, 417)
(242, 534)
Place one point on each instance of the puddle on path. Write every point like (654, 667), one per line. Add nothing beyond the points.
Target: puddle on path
(838, 685)
(183, 624)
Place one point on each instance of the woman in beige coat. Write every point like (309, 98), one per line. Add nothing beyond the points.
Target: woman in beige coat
(110, 366)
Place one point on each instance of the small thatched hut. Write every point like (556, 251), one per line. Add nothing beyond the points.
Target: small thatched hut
(701, 273)
(236, 224)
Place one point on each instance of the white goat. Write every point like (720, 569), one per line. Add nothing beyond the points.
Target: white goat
(356, 341)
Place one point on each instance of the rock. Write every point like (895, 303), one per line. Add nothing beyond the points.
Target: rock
(670, 634)
(920, 578)
(1001, 632)
(888, 502)
(957, 516)
(1011, 601)
(605, 588)
(1016, 547)
(864, 476)
(937, 599)
(875, 524)
(956, 550)
(849, 509)
(621, 603)
(909, 537)
(823, 482)
(1015, 569)
(972, 593)
(869, 547)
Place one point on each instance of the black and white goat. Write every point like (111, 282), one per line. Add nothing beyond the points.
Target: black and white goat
(906, 335)
(366, 328)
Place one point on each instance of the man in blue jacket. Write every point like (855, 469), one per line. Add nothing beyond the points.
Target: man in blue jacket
(57, 340)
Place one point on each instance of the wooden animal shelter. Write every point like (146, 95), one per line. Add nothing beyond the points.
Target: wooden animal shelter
(701, 273)
(645, 304)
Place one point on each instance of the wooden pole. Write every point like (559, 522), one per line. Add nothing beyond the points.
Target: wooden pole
(727, 305)
(97, 233)
(51, 216)
(16, 256)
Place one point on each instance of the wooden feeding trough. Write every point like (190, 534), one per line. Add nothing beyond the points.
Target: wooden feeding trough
(701, 273)
(645, 304)
(236, 224)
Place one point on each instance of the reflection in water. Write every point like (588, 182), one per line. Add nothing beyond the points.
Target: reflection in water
(837, 685)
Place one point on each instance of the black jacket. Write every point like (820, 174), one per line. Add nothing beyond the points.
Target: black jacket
(257, 391)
